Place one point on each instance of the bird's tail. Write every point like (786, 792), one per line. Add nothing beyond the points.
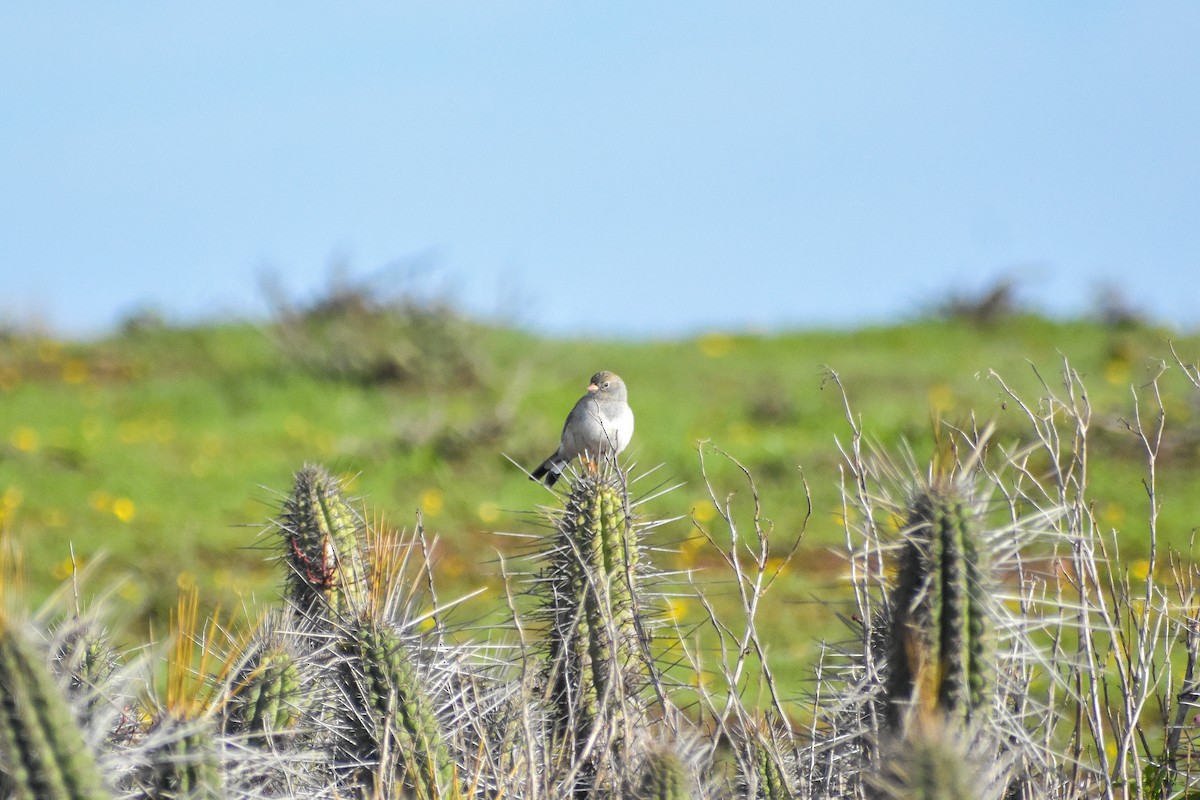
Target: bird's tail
(549, 471)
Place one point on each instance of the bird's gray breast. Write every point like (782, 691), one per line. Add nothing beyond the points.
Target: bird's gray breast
(593, 427)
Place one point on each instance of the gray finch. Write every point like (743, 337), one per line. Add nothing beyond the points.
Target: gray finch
(599, 425)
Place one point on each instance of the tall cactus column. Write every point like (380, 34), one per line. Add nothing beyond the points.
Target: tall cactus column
(938, 653)
(42, 753)
(390, 725)
(323, 547)
(389, 738)
(589, 593)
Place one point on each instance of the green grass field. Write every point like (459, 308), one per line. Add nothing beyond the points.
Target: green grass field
(167, 449)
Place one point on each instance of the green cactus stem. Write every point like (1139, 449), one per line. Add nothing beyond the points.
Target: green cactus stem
(771, 783)
(392, 728)
(938, 649)
(936, 759)
(185, 765)
(595, 665)
(42, 753)
(83, 657)
(267, 695)
(664, 776)
(324, 547)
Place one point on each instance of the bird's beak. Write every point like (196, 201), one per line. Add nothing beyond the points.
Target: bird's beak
(593, 387)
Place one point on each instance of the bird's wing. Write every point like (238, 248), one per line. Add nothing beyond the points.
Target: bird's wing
(583, 429)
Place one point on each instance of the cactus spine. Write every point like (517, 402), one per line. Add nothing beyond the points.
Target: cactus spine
(267, 695)
(938, 656)
(42, 753)
(931, 768)
(323, 547)
(394, 737)
(185, 765)
(771, 783)
(595, 665)
(664, 777)
(83, 658)
(182, 759)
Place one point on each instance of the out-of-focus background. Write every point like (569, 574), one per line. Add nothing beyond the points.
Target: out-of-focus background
(397, 238)
(625, 170)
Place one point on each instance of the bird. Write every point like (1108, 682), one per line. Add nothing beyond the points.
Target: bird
(600, 424)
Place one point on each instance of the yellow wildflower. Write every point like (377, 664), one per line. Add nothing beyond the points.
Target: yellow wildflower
(123, 509)
(26, 439)
(432, 502)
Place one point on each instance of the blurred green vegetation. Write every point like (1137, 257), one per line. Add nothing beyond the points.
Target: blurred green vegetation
(167, 449)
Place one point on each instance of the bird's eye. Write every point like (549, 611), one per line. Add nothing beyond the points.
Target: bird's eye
(605, 385)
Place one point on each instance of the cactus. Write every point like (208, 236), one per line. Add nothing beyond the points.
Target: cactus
(179, 756)
(82, 653)
(595, 665)
(83, 657)
(664, 776)
(42, 753)
(937, 760)
(772, 785)
(938, 655)
(926, 771)
(183, 762)
(323, 547)
(267, 695)
(764, 761)
(393, 740)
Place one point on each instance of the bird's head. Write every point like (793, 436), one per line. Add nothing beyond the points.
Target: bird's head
(605, 383)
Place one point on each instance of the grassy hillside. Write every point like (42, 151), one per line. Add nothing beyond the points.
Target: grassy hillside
(167, 449)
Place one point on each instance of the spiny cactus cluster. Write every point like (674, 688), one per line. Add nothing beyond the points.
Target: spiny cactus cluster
(972, 670)
(595, 665)
(184, 762)
(664, 776)
(392, 736)
(323, 547)
(938, 656)
(267, 695)
(42, 753)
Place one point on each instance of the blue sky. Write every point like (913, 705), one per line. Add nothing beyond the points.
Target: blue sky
(621, 168)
